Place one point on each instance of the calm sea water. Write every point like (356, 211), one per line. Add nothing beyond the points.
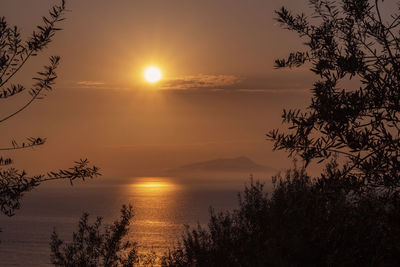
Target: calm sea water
(162, 207)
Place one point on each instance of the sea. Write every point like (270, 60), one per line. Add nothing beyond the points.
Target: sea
(162, 207)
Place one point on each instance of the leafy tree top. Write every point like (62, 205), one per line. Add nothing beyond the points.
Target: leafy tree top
(347, 39)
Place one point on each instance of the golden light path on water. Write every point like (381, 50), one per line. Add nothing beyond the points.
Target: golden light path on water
(162, 206)
(156, 223)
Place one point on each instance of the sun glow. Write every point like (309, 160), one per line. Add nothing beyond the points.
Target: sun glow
(153, 185)
(152, 74)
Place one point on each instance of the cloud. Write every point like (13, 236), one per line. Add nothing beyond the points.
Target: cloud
(234, 83)
(90, 84)
(217, 83)
(204, 82)
(301, 90)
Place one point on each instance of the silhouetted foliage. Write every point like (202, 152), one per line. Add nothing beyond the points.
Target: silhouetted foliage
(305, 222)
(348, 39)
(14, 183)
(92, 247)
(14, 53)
(350, 214)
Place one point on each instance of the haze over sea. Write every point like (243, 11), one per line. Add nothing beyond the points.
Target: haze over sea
(163, 205)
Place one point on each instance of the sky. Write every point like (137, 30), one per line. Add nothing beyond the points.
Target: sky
(219, 96)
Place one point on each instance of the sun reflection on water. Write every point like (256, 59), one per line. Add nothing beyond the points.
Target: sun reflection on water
(157, 206)
(153, 185)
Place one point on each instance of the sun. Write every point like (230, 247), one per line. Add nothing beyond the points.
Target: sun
(152, 74)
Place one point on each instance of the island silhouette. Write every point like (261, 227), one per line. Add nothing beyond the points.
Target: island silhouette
(240, 164)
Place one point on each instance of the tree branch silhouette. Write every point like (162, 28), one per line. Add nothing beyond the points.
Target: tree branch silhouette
(14, 53)
(347, 40)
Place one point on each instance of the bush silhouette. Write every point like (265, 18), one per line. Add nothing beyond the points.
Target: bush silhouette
(92, 246)
(305, 222)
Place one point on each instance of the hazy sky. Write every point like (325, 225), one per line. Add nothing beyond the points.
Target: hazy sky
(219, 96)
(112, 41)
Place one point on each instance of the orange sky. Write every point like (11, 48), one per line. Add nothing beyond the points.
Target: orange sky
(219, 96)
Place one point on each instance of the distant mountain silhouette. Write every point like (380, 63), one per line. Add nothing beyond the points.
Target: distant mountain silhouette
(239, 164)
